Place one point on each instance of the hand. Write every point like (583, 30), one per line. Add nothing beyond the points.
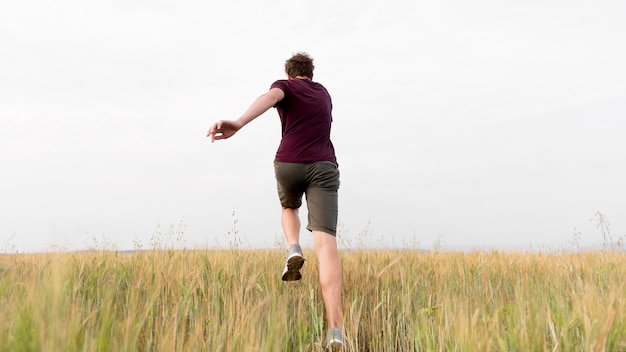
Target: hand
(223, 129)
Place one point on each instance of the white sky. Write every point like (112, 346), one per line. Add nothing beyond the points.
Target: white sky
(484, 124)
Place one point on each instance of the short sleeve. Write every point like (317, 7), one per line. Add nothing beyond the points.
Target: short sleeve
(282, 85)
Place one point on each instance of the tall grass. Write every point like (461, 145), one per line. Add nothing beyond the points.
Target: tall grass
(233, 300)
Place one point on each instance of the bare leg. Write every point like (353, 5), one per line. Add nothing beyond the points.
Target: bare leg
(330, 276)
(291, 226)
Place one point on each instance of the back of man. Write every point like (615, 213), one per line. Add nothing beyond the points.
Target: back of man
(306, 117)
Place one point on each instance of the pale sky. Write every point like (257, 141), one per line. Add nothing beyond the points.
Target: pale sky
(473, 124)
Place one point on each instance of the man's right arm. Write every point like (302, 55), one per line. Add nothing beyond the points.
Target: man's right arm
(261, 105)
(226, 128)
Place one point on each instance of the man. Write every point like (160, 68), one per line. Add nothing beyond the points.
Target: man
(305, 163)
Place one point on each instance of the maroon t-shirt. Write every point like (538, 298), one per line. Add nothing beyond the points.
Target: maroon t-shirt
(305, 116)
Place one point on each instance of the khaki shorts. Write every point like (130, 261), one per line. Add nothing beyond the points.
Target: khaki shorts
(319, 181)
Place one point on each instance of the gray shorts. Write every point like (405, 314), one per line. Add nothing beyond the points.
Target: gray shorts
(319, 181)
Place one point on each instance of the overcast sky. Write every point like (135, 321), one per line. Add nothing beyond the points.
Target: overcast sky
(472, 124)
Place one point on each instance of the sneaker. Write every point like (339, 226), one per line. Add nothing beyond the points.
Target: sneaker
(334, 341)
(295, 261)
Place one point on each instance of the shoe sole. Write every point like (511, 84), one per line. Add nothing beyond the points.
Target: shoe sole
(294, 264)
(335, 346)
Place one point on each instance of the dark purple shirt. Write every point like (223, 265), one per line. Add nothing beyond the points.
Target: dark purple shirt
(305, 116)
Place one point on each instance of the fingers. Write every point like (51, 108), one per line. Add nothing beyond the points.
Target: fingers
(223, 129)
(215, 131)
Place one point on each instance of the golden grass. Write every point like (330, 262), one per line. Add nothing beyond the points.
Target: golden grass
(233, 300)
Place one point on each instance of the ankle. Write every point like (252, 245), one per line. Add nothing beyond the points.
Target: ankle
(295, 246)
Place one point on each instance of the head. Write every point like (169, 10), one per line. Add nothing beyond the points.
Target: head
(300, 64)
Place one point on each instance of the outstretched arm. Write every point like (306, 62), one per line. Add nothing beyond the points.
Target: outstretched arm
(227, 128)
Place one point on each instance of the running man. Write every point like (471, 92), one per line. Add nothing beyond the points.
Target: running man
(305, 163)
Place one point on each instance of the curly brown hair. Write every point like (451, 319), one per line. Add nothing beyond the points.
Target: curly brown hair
(300, 64)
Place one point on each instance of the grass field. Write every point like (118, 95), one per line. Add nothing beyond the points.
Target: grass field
(233, 300)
